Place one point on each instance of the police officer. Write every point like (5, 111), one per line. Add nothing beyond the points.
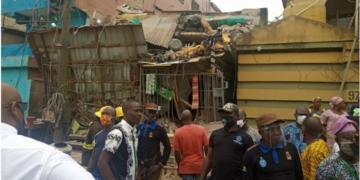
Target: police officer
(227, 147)
(272, 158)
(150, 134)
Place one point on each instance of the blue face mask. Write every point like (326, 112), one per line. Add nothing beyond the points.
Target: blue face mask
(228, 121)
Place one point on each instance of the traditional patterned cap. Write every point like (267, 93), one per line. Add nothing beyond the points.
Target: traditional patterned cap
(343, 125)
(229, 107)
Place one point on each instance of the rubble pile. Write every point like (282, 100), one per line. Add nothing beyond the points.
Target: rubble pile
(128, 14)
(190, 39)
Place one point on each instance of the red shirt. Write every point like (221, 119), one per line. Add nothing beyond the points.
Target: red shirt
(190, 140)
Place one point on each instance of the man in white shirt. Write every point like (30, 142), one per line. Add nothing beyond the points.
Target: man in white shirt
(23, 158)
(242, 123)
(118, 160)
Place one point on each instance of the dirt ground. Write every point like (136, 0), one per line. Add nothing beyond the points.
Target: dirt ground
(76, 155)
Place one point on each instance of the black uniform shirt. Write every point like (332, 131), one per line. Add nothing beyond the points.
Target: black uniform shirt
(149, 142)
(229, 149)
(261, 166)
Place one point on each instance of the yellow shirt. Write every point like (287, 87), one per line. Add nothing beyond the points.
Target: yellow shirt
(312, 156)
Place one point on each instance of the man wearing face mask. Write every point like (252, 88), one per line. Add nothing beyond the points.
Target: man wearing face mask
(150, 135)
(107, 120)
(242, 123)
(226, 147)
(23, 158)
(292, 131)
(343, 165)
(272, 158)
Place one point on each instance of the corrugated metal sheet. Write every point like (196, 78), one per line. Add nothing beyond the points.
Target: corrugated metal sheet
(102, 62)
(159, 29)
(286, 68)
(281, 82)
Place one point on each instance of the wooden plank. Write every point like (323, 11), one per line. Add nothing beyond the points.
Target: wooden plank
(290, 46)
(297, 76)
(296, 58)
(282, 113)
(75, 145)
(349, 95)
(77, 137)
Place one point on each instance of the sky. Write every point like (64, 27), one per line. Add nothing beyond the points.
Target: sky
(275, 7)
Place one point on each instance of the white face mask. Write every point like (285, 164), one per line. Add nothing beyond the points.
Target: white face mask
(240, 123)
(300, 119)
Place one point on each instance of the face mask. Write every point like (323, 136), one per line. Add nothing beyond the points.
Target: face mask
(240, 123)
(105, 120)
(347, 148)
(21, 126)
(300, 119)
(227, 121)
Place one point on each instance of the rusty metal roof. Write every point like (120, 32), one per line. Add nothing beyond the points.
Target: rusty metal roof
(89, 43)
(159, 29)
(102, 63)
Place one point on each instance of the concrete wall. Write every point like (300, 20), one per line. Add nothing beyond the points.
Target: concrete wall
(14, 71)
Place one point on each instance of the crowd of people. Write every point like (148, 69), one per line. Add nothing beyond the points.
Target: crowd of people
(124, 143)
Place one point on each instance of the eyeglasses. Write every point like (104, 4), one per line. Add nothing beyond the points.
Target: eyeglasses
(22, 105)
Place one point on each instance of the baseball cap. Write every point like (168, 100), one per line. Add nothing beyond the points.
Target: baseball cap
(151, 106)
(98, 113)
(229, 107)
(266, 119)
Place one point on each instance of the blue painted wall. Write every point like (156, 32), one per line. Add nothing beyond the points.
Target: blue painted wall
(14, 71)
(14, 58)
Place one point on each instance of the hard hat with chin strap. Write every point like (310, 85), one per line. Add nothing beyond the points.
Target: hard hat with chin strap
(98, 113)
(119, 112)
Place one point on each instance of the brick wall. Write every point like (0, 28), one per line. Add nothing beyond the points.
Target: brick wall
(176, 5)
(108, 7)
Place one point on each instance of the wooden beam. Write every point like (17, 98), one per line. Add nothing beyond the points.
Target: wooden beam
(349, 95)
(329, 76)
(282, 113)
(291, 46)
(295, 58)
(62, 71)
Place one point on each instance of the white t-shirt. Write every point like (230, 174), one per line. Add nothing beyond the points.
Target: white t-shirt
(254, 134)
(23, 158)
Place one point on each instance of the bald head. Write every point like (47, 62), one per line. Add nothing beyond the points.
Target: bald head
(8, 94)
(302, 111)
(242, 114)
(11, 106)
(186, 116)
(312, 126)
(110, 110)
